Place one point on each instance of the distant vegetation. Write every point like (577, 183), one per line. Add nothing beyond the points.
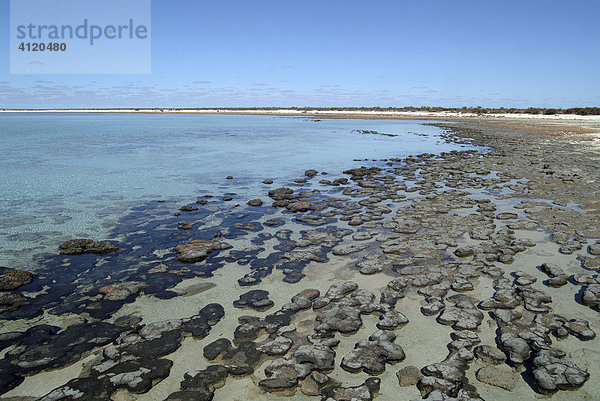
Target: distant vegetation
(581, 111)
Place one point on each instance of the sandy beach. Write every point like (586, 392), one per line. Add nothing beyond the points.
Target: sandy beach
(341, 113)
(461, 276)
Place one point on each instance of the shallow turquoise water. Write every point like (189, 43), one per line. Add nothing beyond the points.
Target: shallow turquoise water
(67, 175)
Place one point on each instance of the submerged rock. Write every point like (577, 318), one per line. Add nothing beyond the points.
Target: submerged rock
(188, 208)
(45, 347)
(197, 250)
(120, 291)
(255, 299)
(13, 279)
(280, 194)
(11, 302)
(255, 202)
(81, 246)
(186, 225)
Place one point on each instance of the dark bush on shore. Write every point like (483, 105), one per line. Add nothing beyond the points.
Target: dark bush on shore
(584, 111)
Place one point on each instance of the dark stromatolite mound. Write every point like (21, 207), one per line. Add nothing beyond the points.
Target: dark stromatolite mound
(534, 300)
(557, 275)
(524, 279)
(10, 302)
(371, 355)
(186, 225)
(82, 245)
(197, 250)
(285, 373)
(281, 194)
(120, 291)
(364, 392)
(279, 343)
(255, 202)
(463, 252)
(594, 249)
(437, 395)
(343, 304)
(45, 347)
(255, 299)
(394, 291)
(464, 315)
(498, 376)
(135, 360)
(81, 389)
(240, 360)
(311, 173)
(299, 207)
(552, 373)
(409, 376)
(507, 216)
(200, 385)
(562, 327)
(302, 300)
(489, 355)
(248, 226)
(250, 327)
(591, 295)
(12, 279)
(188, 208)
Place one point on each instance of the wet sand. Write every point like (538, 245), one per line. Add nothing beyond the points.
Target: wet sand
(460, 235)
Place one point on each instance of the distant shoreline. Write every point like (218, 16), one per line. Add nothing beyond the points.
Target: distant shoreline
(333, 113)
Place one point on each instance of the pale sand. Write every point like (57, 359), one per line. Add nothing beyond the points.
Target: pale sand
(429, 115)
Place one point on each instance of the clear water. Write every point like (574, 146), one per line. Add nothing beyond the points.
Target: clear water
(73, 175)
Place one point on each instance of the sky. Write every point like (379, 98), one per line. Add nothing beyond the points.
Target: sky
(328, 53)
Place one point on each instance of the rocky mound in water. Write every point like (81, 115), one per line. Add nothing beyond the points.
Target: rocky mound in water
(81, 246)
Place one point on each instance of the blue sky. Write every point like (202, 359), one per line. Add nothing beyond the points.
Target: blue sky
(343, 53)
